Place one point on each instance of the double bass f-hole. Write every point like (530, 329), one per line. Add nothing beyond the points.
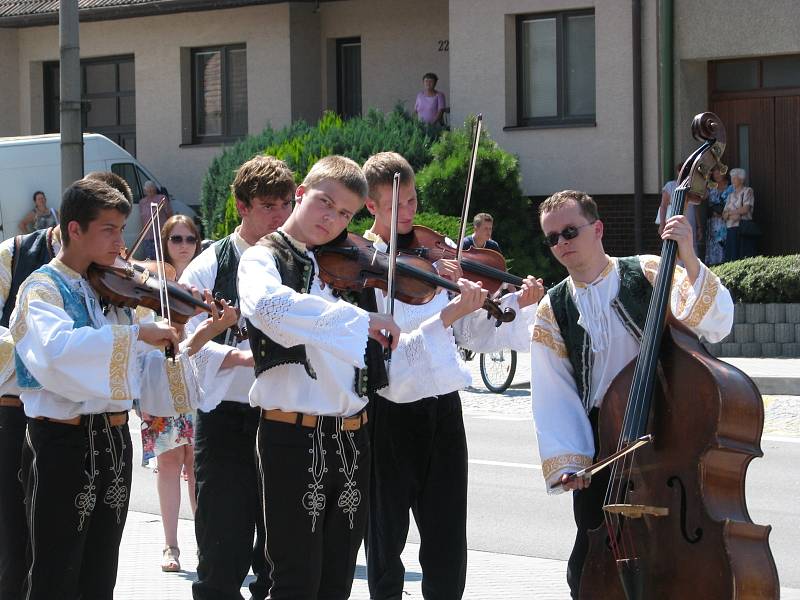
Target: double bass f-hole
(674, 482)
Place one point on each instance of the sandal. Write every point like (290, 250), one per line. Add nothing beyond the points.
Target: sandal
(169, 561)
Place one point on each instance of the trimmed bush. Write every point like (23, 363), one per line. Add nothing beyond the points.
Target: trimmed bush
(496, 190)
(443, 224)
(762, 279)
(301, 145)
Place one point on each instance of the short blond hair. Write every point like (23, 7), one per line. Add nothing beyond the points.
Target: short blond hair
(481, 218)
(263, 176)
(380, 169)
(341, 169)
(560, 199)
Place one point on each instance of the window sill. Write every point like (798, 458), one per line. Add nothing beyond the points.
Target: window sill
(561, 125)
(210, 143)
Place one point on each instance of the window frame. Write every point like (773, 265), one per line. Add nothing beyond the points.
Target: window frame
(758, 92)
(226, 135)
(340, 91)
(561, 119)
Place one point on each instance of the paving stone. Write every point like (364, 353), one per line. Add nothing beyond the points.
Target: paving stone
(792, 313)
(743, 333)
(774, 312)
(764, 333)
(750, 350)
(731, 349)
(784, 333)
(755, 313)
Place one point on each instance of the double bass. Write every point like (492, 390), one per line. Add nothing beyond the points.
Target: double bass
(676, 520)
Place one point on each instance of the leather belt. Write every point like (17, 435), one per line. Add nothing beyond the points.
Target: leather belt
(114, 419)
(12, 401)
(348, 423)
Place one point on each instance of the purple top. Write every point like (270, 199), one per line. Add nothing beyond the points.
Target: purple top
(428, 107)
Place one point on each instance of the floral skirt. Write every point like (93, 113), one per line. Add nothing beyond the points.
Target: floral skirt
(160, 434)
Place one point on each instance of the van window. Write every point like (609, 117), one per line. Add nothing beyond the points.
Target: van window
(128, 172)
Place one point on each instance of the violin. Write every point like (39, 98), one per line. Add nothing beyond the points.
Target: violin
(478, 264)
(352, 263)
(676, 519)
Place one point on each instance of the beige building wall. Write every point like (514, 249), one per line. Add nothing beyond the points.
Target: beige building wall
(9, 75)
(160, 46)
(763, 28)
(598, 159)
(399, 43)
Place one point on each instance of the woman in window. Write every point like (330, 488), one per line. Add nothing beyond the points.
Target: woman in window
(40, 217)
(170, 440)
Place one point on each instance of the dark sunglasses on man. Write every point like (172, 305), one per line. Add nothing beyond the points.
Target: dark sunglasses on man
(568, 233)
(189, 239)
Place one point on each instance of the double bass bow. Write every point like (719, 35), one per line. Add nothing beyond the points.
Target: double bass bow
(676, 521)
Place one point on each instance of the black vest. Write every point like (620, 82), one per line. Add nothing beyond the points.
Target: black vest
(297, 272)
(30, 252)
(631, 305)
(225, 281)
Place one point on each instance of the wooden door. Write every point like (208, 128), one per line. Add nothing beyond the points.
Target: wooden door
(786, 203)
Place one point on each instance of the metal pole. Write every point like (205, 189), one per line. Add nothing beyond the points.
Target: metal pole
(70, 91)
(638, 145)
(666, 85)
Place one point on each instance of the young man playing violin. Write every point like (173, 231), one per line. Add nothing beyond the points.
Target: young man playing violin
(587, 329)
(79, 366)
(419, 446)
(315, 362)
(19, 257)
(228, 511)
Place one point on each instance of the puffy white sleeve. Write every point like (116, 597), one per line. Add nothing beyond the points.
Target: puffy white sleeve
(291, 318)
(563, 431)
(214, 380)
(425, 363)
(478, 331)
(75, 363)
(705, 307)
(168, 388)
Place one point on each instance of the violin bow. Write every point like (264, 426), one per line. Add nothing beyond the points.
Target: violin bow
(473, 159)
(163, 293)
(391, 275)
(140, 237)
(608, 460)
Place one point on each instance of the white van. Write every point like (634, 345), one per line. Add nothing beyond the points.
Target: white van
(32, 163)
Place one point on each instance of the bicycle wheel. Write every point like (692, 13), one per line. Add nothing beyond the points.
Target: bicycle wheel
(497, 370)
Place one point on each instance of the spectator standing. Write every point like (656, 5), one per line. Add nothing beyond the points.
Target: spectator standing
(717, 232)
(151, 196)
(481, 237)
(170, 440)
(738, 208)
(430, 103)
(690, 211)
(41, 217)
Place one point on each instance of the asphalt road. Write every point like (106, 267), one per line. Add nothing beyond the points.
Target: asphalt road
(510, 513)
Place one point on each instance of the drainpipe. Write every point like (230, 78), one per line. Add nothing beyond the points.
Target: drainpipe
(666, 85)
(70, 91)
(638, 153)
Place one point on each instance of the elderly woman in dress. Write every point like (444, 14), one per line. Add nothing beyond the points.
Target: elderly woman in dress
(738, 208)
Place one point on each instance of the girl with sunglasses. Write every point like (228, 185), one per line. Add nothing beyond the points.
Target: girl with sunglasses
(170, 440)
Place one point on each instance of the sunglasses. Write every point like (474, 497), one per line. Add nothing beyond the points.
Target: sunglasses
(179, 239)
(568, 233)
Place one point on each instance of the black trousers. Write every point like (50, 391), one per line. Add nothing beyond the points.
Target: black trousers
(419, 462)
(77, 486)
(587, 508)
(13, 527)
(316, 498)
(228, 504)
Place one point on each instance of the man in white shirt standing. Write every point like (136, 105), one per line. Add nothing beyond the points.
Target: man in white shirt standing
(587, 329)
(228, 512)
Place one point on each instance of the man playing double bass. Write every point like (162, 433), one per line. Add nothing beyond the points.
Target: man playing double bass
(587, 329)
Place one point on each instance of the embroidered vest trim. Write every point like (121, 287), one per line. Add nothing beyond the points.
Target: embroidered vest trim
(631, 304)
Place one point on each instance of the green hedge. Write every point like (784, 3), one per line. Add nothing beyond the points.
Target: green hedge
(443, 224)
(762, 279)
(301, 145)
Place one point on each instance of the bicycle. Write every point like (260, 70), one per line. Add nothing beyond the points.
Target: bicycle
(497, 368)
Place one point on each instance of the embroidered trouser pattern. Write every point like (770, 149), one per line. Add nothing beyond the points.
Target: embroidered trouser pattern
(315, 483)
(13, 528)
(77, 480)
(419, 463)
